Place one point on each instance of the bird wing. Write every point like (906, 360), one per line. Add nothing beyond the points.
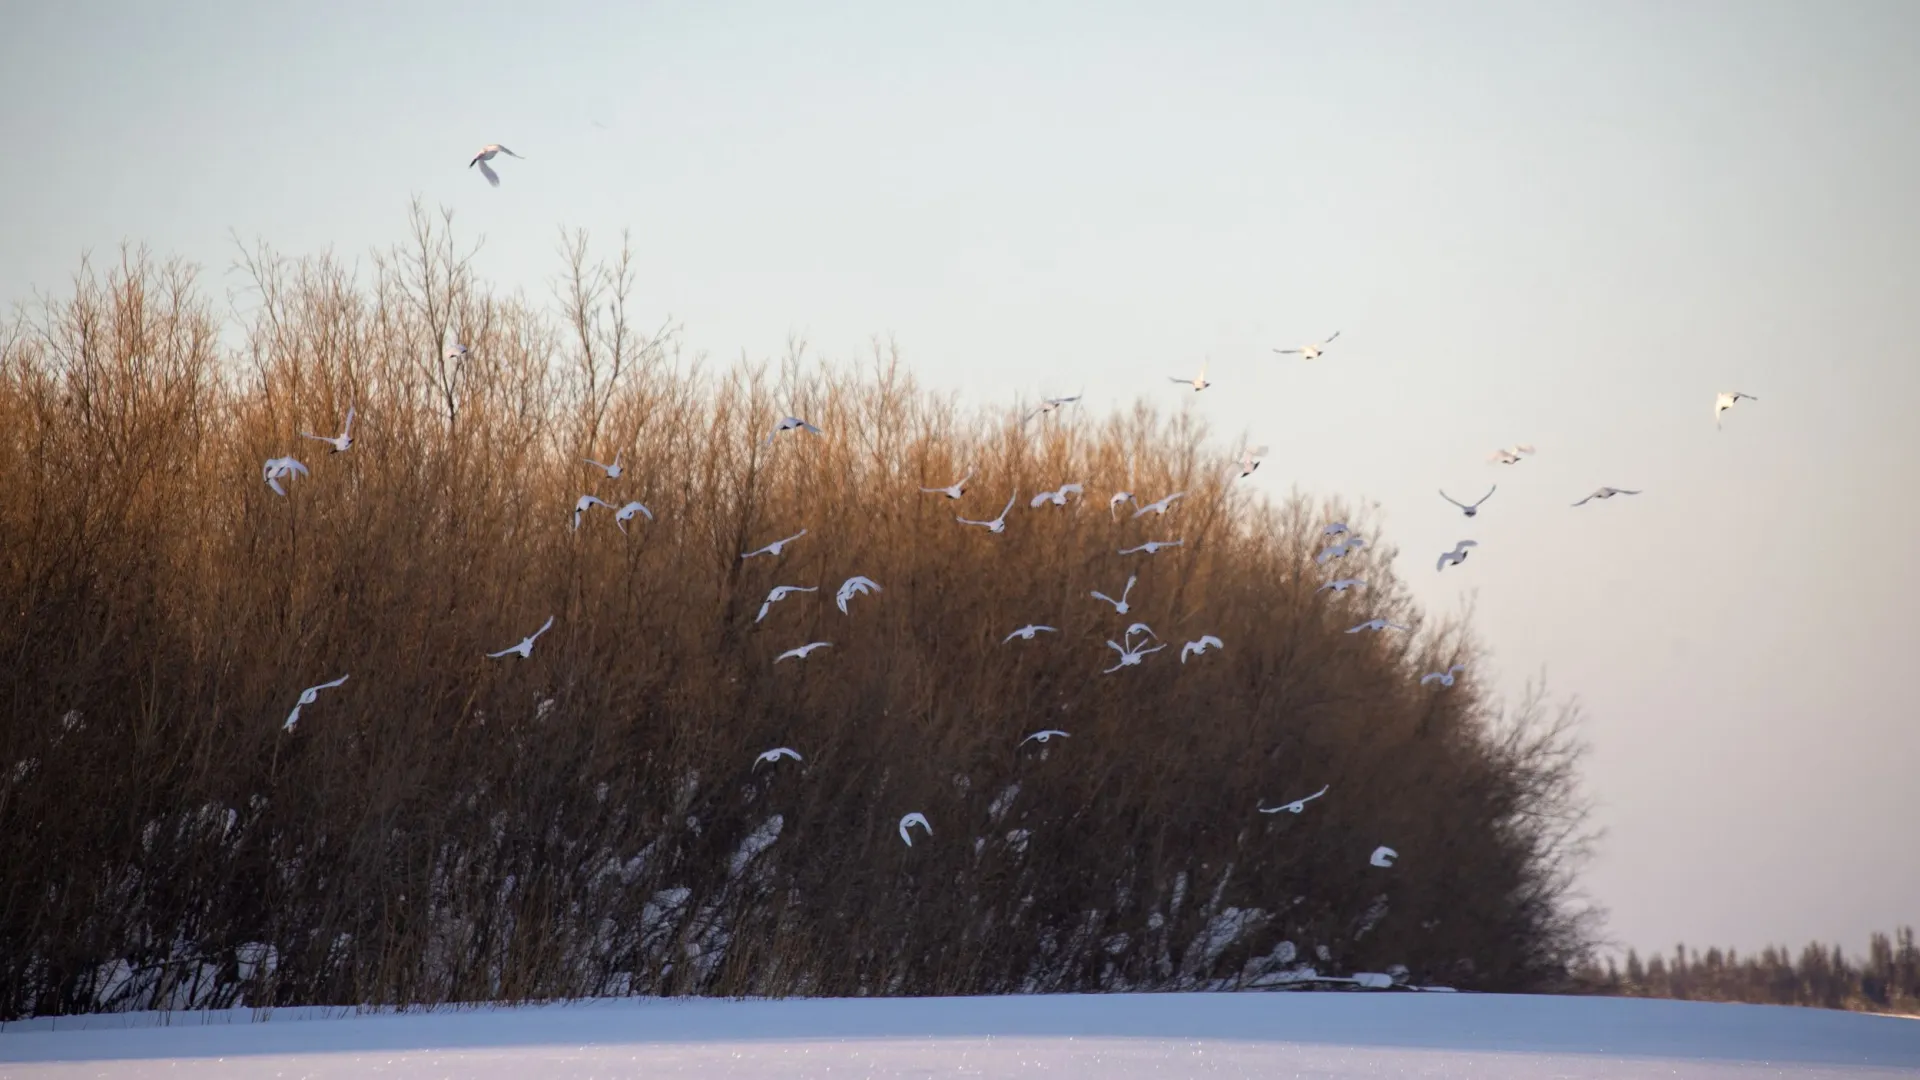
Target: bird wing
(1329, 341)
(1284, 352)
(1488, 495)
(1451, 499)
(487, 171)
(1040, 498)
(1209, 639)
(331, 685)
(1189, 647)
(1009, 507)
(502, 652)
(508, 152)
(1429, 677)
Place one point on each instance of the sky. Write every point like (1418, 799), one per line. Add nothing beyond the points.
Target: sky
(1566, 224)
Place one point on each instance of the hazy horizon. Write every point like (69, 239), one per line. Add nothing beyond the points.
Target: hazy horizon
(1563, 224)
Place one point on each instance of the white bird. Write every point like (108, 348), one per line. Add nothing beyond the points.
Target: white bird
(953, 490)
(1250, 460)
(1129, 657)
(1342, 584)
(1444, 678)
(308, 697)
(342, 442)
(485, 155)
(1051, 405)
(1310, 352)
(1377, 624)
(1341, 550)
(1725, 401)
(1455, 557)
(1606, 493)
(1057, 498)
(1199, 648)
(856, 585)
(613, 471)
(779, 593)
(801, 652)
(1120, 605)
(1160, 507)
(525, 648)
(774, 548)
(279, 468)
(1384, 856)
(1043, 736)
(791, 423)
(1297, 806)
(626, 513)
(454, 350)
(1510, 455)
(915, 818)
(1118, 498)
(1198, 382)
(1338, 528)
(998, 524)
(1151, 546)
(1026, 633)
(772, 757)
(1470, 509)
(585, 503)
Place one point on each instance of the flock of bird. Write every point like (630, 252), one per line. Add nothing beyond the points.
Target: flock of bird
(1136, 643)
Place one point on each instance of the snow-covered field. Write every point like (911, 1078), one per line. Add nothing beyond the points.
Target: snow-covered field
(1122, 1036)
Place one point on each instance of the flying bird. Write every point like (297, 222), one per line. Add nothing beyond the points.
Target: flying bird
(791, 423)
(485, 155)
(1457, 556)
(1138, 628)
(1725, 401)
(1606, 493)
(998, 524)
(915, 818)
(1050, 405)
(585, 503)
(854, 586)
(1342, 585)
(1158, 508)
(1120, 605)
(1250, 460)
(1510, 455)
(1297, 806)
(1151, 546)
(1026, 633)
(1199, 648)
(1310, 352)
(801, 652)
(1341, 550)
(772, 757)
(1384, 856)
(1129, 657)
(281, 468)
(1198, 382)
(774, 548)
(779, 593)
(342, 442)
(953, 490)
(1043, 736)
(1338, 528)
(1470, 509)
(525, 648)
(1378, 624)
(626, 513)
(1057, 498)
(1444, 678)
(613, 471)
(454, 350)
(308, 697)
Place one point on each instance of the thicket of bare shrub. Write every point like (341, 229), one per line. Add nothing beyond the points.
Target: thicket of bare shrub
(448, 827)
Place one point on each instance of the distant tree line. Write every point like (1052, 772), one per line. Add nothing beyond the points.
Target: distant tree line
(1887, 979)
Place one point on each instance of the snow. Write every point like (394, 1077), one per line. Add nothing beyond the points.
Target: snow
(1118, 1036)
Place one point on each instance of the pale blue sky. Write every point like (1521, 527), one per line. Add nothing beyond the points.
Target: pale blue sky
(1566, 224)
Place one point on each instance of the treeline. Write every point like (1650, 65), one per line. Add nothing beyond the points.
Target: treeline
(1887, 979)
(591, 820)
